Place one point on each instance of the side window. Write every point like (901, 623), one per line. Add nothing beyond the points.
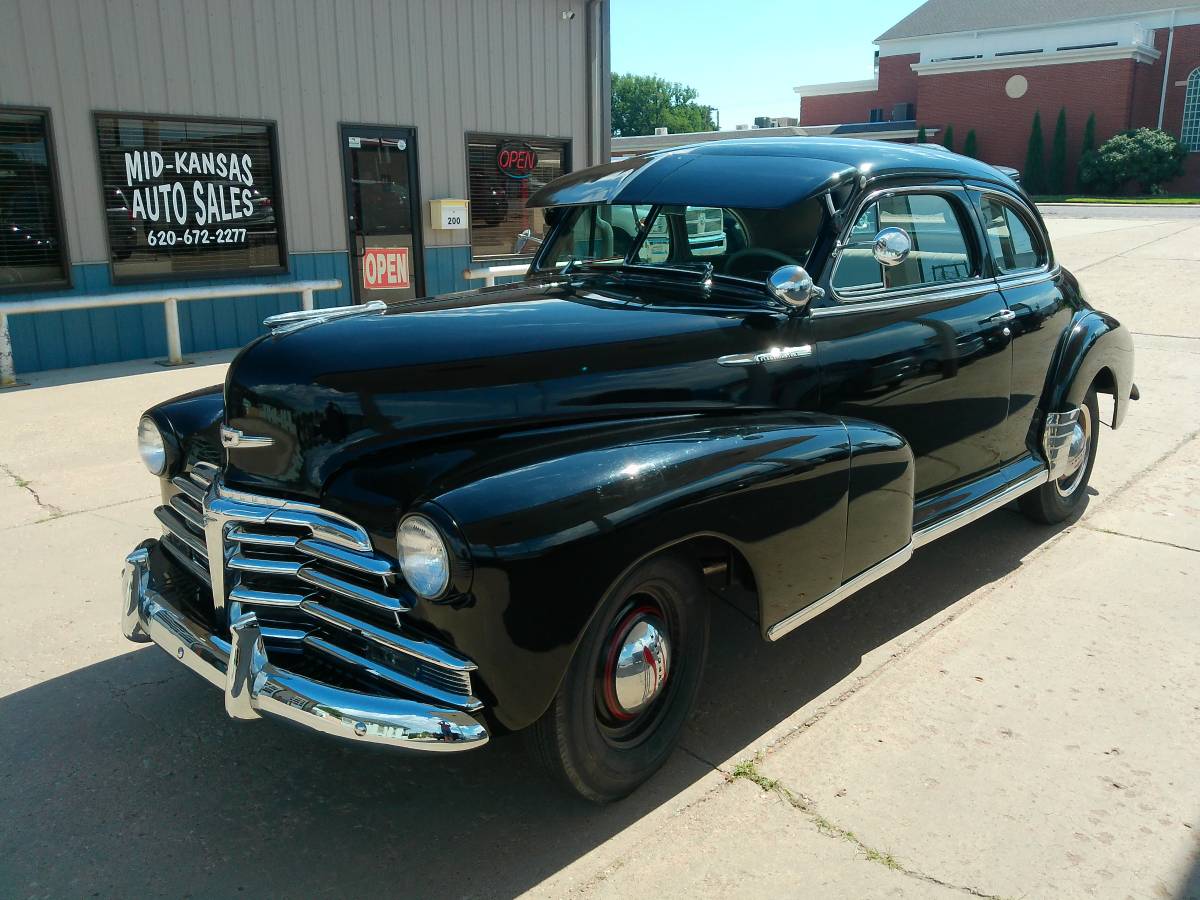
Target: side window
(940, 252)
(1013, 243)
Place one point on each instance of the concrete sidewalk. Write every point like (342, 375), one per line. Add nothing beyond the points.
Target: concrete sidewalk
(1016, 712)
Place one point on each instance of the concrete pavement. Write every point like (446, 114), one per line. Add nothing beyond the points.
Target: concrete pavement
(1013, 713)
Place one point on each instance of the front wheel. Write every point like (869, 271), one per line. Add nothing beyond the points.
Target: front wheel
(632, 682)
(1060, 498)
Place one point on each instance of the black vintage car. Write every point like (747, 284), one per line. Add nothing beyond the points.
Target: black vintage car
(423, 524)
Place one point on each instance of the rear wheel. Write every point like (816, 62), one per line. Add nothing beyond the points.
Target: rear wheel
(1062, 497)
(631, 684)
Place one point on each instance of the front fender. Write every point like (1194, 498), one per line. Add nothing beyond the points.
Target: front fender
(1095, 342)
(190, 425)
(551, 530)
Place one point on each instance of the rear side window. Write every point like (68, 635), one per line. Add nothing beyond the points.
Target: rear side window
(1014, 244)
(940, 251)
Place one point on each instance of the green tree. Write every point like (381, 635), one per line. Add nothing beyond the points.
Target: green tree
(1056, 178)
(971, 145)
(921, 138)
(1034, 176)
(1089, 135)
(1146, 157)
(948, 138)
(641, 103)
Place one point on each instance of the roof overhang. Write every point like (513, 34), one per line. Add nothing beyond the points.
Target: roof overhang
(1137, 52)
(837, 87)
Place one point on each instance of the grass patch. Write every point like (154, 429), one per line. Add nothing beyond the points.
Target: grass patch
(1148, 200)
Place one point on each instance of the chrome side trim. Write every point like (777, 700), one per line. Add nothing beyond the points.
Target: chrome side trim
(351, 591)
(278, 599)
(775, 353)
(837, 595)
(422, 650)
(982, 508)
(254, 687)
(359, 562)
(235, 437)
(1020, 279)
(873, 302)
(265, 566)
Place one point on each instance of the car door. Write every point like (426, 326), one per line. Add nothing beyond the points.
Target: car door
(921, 346)
(1032, 289)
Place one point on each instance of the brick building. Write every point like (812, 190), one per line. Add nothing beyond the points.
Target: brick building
(989, 67)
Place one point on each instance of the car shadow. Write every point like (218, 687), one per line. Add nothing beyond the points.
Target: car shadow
(126, 778)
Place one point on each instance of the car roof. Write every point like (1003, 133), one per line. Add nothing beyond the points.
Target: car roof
(762, 173)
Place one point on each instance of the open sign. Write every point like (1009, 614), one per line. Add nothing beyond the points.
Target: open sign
(516, 159)
(385, 269)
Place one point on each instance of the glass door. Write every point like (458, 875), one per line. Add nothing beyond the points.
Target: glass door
(383, 212)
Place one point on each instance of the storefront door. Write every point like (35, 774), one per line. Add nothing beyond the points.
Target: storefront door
(383, 212)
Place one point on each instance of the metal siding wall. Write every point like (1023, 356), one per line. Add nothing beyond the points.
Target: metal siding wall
(443, 66)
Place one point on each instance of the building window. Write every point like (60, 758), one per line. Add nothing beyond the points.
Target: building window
(503, 173)
(32, 250)
(1190, 135)
(190, 197)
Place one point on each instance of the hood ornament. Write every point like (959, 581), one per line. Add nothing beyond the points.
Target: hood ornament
(291, 321)
(233, 437)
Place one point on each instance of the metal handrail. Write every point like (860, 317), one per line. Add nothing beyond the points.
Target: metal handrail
(489, 274)
(169, 297)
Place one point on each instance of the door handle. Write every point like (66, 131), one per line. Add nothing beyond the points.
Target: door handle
(360, 245)
(1005, 315)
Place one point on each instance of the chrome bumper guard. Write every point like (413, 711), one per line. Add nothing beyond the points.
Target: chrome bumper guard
(255, 687)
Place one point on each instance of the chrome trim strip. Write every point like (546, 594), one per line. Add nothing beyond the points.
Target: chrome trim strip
(235, 437)
(965, 517)
(180, 555)
(897, 300)
(188, 512)
(262, 539)
(359, 562)
(189, 487)
(775, 353)
(173, 522)
(259, 566)
(254, 687)
(837, 595)
(1020, 279)
(422, 650)
(351, 591)
(350, 658)
(277, 599)
(203, 473)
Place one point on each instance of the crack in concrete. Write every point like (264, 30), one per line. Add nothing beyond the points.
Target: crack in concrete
(1134, 537)
(27, 485)
(66, 514)
(804, 804)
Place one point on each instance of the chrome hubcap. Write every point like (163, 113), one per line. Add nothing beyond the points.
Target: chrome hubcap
(1077, 453)
(638, 663)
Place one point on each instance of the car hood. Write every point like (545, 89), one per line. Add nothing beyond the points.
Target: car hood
(408, 379)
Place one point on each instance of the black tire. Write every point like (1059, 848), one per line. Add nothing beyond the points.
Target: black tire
(596, 756)
(1058, 500)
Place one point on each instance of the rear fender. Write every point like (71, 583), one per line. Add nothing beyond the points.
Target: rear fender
(1095, 346)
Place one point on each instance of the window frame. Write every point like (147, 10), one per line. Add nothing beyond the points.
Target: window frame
(1191, 94)
(955, 195)
(67, 279)
(479, 137)
(278, 203)
(1035, 231)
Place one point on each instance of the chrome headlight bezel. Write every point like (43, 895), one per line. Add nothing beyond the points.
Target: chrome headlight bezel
(421, 545)
(152, 446)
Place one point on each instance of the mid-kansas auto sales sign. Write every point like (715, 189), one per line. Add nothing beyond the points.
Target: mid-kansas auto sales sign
(385, 269)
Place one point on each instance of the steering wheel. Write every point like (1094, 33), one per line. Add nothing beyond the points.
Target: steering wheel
(742, 255)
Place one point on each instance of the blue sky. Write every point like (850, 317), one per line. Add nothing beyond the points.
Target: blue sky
(745, 56)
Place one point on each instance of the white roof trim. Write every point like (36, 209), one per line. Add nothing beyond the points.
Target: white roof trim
(1138, 52)
(837, 87)
(1157, 17)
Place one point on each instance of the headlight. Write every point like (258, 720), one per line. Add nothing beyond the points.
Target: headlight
(150, 446)
(424, 560)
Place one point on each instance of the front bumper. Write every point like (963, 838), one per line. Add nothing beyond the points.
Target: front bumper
(255, 687)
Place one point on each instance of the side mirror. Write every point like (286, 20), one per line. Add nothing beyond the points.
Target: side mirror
(892, 246)
(793, 286)
(527, 238)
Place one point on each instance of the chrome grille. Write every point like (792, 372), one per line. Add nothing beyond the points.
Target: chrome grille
(314, 581)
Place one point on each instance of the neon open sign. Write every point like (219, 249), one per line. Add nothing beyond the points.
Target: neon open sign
(516, 159)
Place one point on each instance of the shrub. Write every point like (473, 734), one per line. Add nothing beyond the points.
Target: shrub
(1056, 179)
(971, 145)
(1034, 176)
(948, 138)
(921, 138)
(1146, 157)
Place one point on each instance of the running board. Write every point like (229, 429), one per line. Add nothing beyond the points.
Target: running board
(920, 538)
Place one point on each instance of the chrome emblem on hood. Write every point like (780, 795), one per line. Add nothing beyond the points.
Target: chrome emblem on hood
(232, 437)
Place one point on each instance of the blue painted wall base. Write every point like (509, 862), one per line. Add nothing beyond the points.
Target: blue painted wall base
(89, 337)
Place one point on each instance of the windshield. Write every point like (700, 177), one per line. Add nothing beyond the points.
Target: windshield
(740, 243)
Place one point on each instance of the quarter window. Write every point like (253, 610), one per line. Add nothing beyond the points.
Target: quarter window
(1012, 242)
(503, 173)
(1189, 136)
(940, 252)
(190, 197)
(31, 241)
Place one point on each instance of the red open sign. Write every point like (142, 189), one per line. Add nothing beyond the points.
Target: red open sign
(516, 159)
(385, 269)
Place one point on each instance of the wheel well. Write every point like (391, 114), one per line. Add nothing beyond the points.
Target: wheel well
(725, 570)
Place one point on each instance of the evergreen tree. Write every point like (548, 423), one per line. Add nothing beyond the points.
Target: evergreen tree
(971, 145)
(1034, 176)
(948, 138)
(1056, 178)
(1089, 135)
(921, 139)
